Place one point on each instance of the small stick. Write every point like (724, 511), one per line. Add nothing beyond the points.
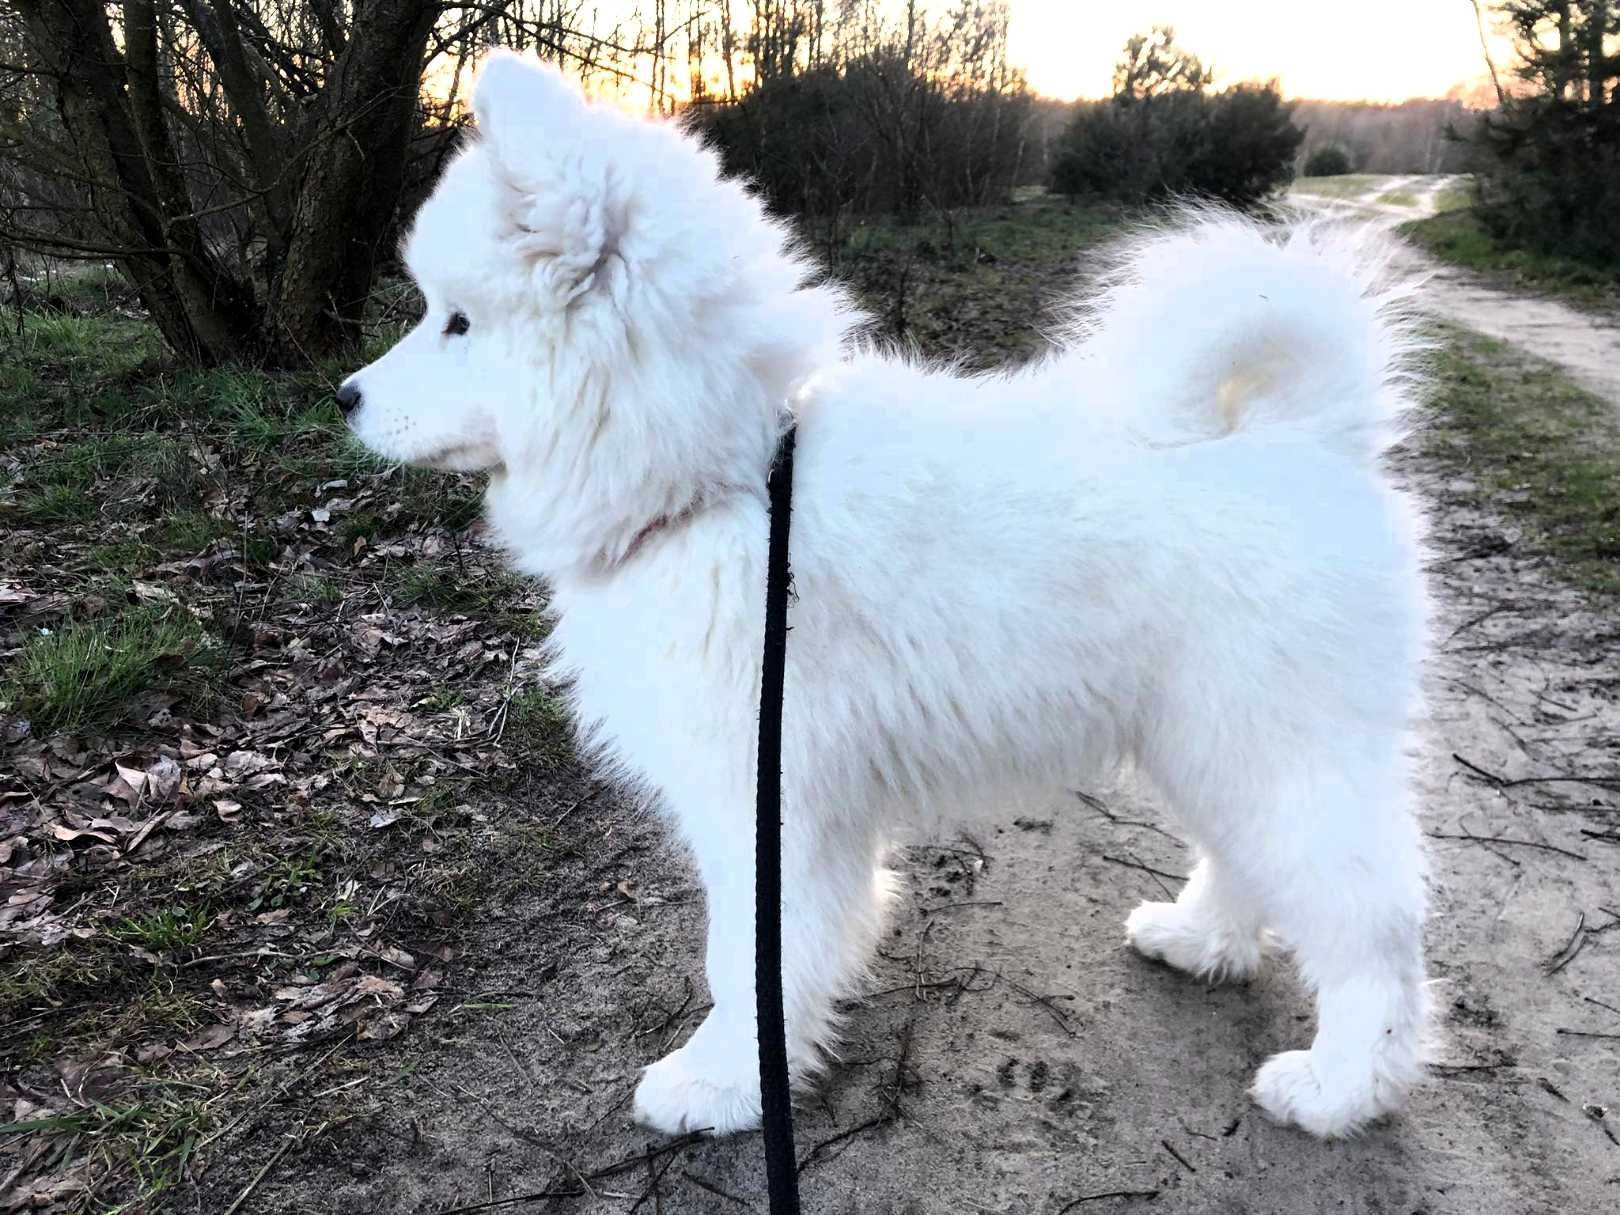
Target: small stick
(1133, 864)
(1602, 1005)
(1566, 955)
(1109, 1194)
(713, 1189)
(248, 1189)
(1501, 839)
(1180, 1159)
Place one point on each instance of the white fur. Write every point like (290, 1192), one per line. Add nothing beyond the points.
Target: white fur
(1169, 542)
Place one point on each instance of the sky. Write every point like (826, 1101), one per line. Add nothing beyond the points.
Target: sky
(1380, 50)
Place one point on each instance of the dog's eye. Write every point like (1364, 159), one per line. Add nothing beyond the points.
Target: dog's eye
(457, 325)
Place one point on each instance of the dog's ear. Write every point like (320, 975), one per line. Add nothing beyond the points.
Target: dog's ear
(535, 123)
(524, 106)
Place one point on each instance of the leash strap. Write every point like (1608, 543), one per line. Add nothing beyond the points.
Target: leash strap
(776, 1100)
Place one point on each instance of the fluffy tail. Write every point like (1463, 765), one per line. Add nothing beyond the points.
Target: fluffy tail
(1215, 324)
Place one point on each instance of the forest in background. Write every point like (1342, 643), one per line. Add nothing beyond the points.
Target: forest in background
(246, 164)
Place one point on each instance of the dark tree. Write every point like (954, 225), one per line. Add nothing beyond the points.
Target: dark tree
(896, 116)
(1332, 161)
(318, 129)
(1548, 169)
(243, 162)
(1163, 134)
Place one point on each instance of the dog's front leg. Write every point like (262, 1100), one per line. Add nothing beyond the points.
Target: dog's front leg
(833, 899)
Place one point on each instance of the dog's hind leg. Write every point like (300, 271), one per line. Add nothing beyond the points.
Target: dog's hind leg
(1352, 911)
(1211, 931)
(1338, 866)
(834, 894)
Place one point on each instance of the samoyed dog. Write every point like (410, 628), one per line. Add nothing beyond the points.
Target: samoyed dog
(1169, 543)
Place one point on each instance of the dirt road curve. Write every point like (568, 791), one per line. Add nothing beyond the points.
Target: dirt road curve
(1013, 1056)
(1586, 347)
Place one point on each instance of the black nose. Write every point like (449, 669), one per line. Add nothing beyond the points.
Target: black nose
(348, 399)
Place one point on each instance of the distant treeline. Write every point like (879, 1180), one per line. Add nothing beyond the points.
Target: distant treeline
(1409, 137)
(1405, 137)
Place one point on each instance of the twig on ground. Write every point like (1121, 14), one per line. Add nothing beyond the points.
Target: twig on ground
(1097, 804)
(714, 1189)
(1479, 619)
(1603, 780)
(1602, 1005)
(1108, 1194)
(248, 1189)
(1502, 839)
(1045, 1002)
(890, 1112)
(1180, 1159)
(619, 1166)
(655, 1189)
(1148, 869)
(1566, 955)
(1549, 1087)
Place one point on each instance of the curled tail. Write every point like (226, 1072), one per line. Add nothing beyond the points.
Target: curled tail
(1215, 324)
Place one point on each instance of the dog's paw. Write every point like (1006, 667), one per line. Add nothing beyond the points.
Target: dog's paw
(1288, 1089)
(1179, 937)
(676, 1097)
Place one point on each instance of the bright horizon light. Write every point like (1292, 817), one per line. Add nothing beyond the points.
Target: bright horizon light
(1374, 50)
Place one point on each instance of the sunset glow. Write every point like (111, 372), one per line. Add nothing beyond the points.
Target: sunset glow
(1380, 50)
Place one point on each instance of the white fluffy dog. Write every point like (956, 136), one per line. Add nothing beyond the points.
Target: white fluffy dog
(1170, 542)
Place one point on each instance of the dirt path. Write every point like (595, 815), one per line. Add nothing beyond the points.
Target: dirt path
(1011, 1055)
(1585, 346)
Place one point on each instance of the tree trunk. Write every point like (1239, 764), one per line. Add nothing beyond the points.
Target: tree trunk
(111, 108)
(352, 176)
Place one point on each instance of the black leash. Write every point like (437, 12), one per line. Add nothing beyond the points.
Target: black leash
(776, 1099)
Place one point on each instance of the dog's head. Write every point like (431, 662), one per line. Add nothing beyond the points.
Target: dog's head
(610, 325)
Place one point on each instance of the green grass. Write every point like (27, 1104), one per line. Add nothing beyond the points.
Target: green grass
(84, 674)
(191, 531)
(317, 589)
(167, 929)
(1040, 228)
(1546, 450)
(1455, 197)
(56, 368)
(1458, 237)
(154, 1138)
(66, 483)
(973, 285)
(447, 588)
(538, 726)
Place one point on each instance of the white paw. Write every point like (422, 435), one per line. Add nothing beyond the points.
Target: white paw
(1288, 1090)
(677, 1097)
(1179, 937)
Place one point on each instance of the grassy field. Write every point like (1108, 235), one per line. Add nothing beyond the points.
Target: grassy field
(1457, 236)
(270, 732)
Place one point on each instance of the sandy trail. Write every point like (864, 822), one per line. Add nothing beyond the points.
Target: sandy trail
(1011, 1055)
(1587, 347)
